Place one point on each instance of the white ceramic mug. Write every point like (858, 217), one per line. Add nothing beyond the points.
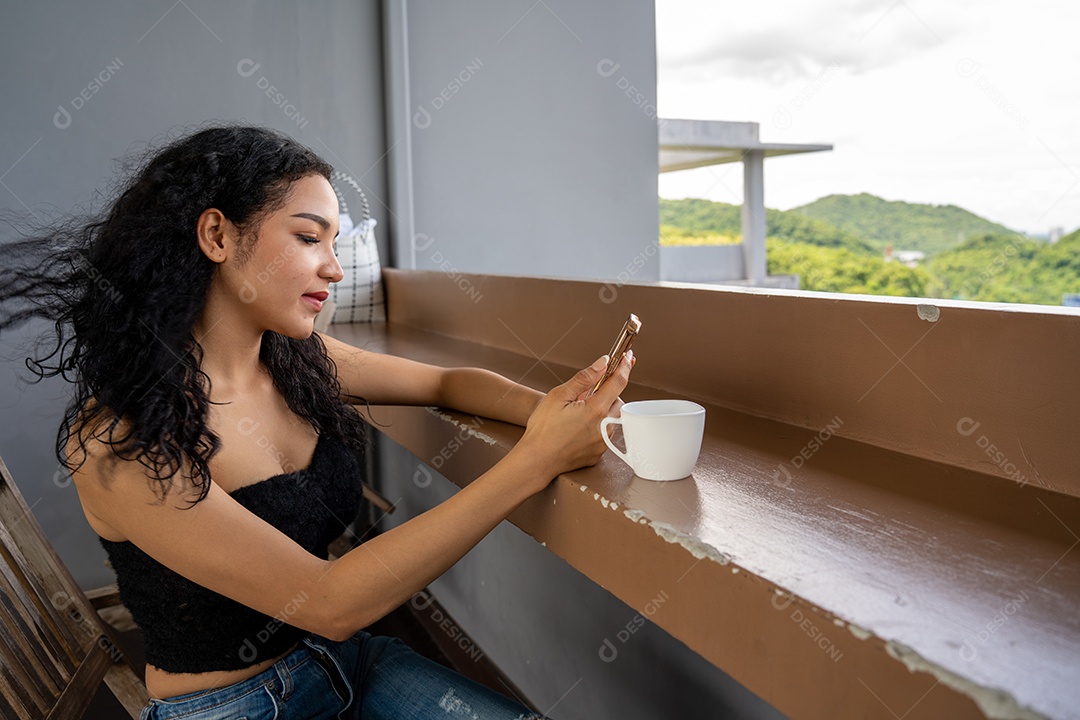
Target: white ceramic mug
(663, 437)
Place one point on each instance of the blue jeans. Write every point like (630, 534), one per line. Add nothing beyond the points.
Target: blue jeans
(375, 678)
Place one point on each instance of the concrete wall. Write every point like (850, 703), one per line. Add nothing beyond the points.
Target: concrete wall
(702, 263)
(529, 133)
(97, 80)
(715, 264)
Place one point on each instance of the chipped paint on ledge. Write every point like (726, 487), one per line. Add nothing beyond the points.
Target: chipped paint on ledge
(929, 313)
(993, 702)
(469, 429)
(860, 633)
(694, 546)
(603, 500)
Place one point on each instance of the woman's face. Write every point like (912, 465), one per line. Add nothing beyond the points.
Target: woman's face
(283, 274)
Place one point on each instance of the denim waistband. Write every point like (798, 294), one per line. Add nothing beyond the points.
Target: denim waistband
(279, 671)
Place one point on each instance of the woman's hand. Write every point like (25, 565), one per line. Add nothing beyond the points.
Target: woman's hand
(563, 432)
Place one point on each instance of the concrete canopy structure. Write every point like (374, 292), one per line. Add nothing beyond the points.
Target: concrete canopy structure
(687, 144)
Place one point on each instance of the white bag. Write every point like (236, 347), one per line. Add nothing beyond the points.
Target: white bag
(359, 297)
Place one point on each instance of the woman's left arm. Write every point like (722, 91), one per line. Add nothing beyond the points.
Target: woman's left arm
(389, 380)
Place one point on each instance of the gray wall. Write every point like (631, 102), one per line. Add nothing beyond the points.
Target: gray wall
(526, 153)
(157, 66)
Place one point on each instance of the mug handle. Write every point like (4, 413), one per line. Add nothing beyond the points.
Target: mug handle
(607, 441)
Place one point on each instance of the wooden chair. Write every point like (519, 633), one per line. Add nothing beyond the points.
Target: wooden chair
(55, 649)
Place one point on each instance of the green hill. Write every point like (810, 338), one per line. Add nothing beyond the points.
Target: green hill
(837, 269)
(908, 226)
(697, 217)
(1070, 238)
(993, 266)
(1010, 268)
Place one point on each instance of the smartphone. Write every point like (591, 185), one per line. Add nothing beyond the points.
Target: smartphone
(629, 331)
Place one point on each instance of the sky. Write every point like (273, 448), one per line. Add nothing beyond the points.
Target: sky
(955, 102)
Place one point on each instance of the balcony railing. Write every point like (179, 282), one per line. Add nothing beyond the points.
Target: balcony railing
(884, 517)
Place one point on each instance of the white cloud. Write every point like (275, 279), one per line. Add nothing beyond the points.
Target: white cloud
(972, 104)
(779, 41)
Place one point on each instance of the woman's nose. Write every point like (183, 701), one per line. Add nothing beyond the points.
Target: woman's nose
(332, 270)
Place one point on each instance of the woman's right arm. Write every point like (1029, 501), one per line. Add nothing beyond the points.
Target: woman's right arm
(220, 545)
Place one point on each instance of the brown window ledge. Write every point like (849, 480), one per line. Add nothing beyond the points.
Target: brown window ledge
(843, 548)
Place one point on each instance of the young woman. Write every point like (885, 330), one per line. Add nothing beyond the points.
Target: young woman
(184, 316)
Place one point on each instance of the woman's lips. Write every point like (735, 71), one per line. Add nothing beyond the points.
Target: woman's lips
(316, 299)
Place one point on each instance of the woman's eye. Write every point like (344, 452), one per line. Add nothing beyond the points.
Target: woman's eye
(308, 239)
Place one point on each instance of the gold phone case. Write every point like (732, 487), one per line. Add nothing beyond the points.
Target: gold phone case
(630, 329)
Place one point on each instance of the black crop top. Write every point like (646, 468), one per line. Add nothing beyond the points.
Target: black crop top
(188, 628)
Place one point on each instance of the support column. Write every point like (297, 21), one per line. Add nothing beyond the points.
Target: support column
(399, 124)
(753, 216)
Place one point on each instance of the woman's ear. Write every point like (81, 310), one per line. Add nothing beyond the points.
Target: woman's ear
(216, 234)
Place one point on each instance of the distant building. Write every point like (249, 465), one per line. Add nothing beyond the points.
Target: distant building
(1056, 234)
(911, 258)
(686, 144)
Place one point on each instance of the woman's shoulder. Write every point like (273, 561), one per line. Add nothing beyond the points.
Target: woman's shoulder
(89, 481)
(104, 477)
(92, 435)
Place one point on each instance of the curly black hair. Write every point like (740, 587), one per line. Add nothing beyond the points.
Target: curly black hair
(123, 290)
